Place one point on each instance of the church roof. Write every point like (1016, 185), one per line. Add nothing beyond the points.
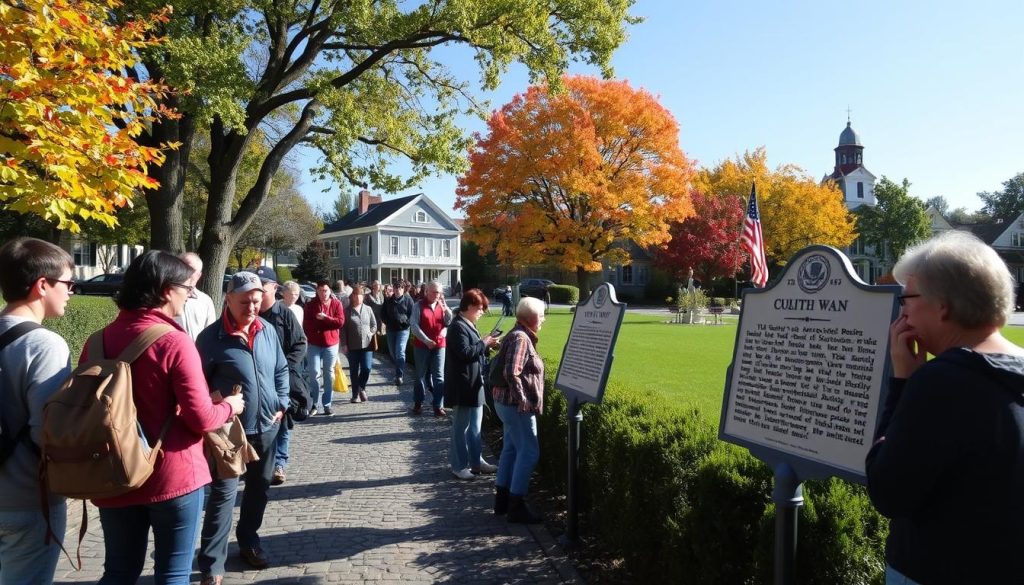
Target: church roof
(849, 137)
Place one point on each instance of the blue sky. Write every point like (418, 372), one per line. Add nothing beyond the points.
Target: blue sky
(936, 88)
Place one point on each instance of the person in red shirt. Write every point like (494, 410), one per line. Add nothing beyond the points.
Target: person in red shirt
(430, 319)
(322, 320)
(167, 380)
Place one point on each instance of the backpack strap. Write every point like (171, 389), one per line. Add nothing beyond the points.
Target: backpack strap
(17, 331)
(141, 343)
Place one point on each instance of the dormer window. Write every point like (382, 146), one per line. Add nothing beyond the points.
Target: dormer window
(420, 217)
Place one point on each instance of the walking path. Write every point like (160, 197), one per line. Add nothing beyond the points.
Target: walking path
(369, 499)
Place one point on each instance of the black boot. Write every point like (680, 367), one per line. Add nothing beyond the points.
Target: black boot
(500, 500)
(520, 513)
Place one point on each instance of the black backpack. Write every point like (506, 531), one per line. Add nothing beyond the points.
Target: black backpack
(9, 441)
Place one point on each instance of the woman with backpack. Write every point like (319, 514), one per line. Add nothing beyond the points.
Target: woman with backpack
(169, 389)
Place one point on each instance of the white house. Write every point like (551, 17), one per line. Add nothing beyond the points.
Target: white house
(410, 238)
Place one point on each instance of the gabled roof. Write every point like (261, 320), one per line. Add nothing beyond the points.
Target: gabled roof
(987, 232)
(377, 213)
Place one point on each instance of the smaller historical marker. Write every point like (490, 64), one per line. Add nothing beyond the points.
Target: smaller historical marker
(587, 357)
(809, 368)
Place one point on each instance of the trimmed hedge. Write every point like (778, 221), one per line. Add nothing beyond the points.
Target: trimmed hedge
(83, 316)
(678, 505)
(564, 294)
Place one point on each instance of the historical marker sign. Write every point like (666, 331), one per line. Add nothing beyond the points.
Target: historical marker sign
(587, 357)
(810, 366)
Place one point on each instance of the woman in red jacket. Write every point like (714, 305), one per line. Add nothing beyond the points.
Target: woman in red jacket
(168, 381)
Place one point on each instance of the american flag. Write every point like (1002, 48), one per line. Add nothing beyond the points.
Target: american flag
(752, 241)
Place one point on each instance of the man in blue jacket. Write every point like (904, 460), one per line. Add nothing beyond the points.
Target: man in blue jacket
(242, 349)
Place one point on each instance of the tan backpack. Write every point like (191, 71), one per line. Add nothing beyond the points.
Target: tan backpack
(93, 445)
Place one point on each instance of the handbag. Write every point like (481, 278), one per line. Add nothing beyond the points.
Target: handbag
(227, 448)
(374, 344)
(340, 380)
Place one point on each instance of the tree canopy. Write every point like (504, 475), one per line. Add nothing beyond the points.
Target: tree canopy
(796, 211)
(561, 176)
(1006, 204)
(707, 241)
(70, 117)
(896, 222)
(360, 83)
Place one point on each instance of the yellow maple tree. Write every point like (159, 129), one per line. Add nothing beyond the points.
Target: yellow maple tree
(562, 177)
(70, 111)
(796, 211)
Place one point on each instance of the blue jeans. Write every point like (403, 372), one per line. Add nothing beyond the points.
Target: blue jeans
(360, 362)
(466, 444)
(430, 374)
(23, 556)
(397, 341)
(283, 440)
(213, 546)
(324, 357)
(175, 523)
(521, 449)
(894, 577)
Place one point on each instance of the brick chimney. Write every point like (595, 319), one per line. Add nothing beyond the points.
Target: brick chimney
(366, 200)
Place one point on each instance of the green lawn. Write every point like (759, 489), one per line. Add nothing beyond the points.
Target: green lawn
(685, 363)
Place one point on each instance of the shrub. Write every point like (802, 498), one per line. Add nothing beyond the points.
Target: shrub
(83, 317)
(564, 294)
(284, 274)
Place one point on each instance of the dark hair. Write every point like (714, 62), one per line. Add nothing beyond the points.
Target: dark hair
(472, 298)
(148, 276)
(323, 282)
(23, 261)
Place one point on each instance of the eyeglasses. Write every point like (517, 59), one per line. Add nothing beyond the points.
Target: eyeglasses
(68, 283)
(189, 289)
(903, 298)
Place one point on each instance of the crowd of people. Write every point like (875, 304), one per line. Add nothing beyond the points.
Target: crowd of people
(259, 362)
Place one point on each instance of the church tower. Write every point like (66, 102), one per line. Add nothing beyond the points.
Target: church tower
(850, 175)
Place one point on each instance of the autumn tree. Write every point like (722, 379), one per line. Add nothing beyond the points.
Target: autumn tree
(561, 176)
(707, 241)
(70, 120)
(896, 221)
(360, 83)
(796, 211)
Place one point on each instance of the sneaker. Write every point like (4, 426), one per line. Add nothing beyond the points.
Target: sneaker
(440, 412)
(254, 557)
(212, 580)
(464, 474)
(279, 476)
(417, 409)
(362, 396)
(327, 411)
(312, 411)
(399, 381)
(485, 468)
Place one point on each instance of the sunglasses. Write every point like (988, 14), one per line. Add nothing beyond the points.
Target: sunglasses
(68, 283)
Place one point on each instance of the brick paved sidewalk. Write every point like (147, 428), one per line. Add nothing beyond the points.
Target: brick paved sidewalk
(369, 499)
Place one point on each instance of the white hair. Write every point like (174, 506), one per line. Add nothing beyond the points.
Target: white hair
(292, 286)
(963, 273)
(528, 308)
(193, 260)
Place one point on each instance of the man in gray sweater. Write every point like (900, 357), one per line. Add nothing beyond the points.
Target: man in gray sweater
(35, 277)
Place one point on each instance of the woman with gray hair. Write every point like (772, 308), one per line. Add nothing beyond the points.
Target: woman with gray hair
(954, 424)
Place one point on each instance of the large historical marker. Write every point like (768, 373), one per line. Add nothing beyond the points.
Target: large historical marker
(808, 376)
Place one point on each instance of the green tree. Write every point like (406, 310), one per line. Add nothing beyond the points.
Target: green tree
(1006, 204)
(939, 203)
(360, 83)
(312, 264)
(961, 216)
(342, 205)
(286, 221)
(896, 222)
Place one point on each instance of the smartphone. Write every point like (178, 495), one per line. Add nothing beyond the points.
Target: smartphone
(496, 331)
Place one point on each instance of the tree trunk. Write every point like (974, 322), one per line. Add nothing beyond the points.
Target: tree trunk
(165, 202)
(583, 283)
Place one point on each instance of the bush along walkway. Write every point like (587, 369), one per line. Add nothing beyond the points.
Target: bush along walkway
(369, 499)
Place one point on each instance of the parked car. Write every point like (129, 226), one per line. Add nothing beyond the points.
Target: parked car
(534, 287)
(308, 291)
(104, 284)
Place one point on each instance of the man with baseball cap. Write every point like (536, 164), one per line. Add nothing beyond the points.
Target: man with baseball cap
(242, 349)
(293, 342)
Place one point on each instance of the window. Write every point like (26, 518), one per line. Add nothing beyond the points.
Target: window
(860, 189)
(1016, 240)
(414, 246)
(369, 245)
(84, 253)
(858, 158)
(627, 275)
(430, 248)
(420, 217)
(359, 245)
(351, 247)
(394, 245)
(641, 275)
(332, 248)
(844, 159)
(360, 272)
(857, 247)
(446, 248)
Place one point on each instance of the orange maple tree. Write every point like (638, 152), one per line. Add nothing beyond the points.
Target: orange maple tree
(561, 177)
(70, 111)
